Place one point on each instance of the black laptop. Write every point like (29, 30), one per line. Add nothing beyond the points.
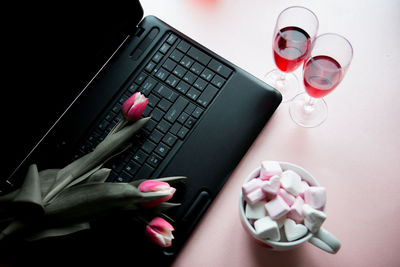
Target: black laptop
(75, 68)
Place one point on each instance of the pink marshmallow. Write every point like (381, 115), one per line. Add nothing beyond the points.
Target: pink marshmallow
(289, 198)
(315, 196)
(254, 196)
(277, 208)
(251, 185)
(269, 169)
(271, 186)
(296, 210)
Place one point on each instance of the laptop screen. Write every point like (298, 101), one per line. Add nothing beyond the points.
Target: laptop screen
(53, 51)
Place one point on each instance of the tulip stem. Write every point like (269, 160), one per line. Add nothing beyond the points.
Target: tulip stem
(121, 123)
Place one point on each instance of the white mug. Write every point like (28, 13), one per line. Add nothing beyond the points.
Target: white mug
(322, 239)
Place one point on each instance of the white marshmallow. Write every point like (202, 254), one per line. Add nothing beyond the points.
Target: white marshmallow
(313, 218)
(291, 181)
(266, 228)
(315, 196)
(294, 231)
(269, 169)
(256, 211)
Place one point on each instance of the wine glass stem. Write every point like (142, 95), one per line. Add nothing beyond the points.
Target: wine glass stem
(309, 105)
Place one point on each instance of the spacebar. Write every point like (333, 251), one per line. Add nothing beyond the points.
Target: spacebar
(176, 109)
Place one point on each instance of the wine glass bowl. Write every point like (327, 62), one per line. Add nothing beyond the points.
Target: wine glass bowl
(295, 29)
(323, 70)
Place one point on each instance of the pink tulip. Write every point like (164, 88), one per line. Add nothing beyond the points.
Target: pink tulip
(134, 106)
(156, 186)
(159, 231)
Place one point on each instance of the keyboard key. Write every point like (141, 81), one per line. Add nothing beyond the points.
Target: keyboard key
(186, 62)
(190, 108)
(207, 74)
(218, 81)
(157, 57)
(220, 68)
(190, 122)
(150, 66)
(179, 71)
(140, 78)
(164, 104)
(176, 109)
(189, 77)
(197, 112)
(172, 80)
(157, 114)
(162, 74)
(148, 146)
(197, 68)
(150, 125)
(162, 150)
(183, 117)
(200, 84)
(165, 92)
(163, 126)
(154, 160)
(169, 65)
(164, 48)
(132, 89)
(140, 156)
(175, 128)
(193, 93)
(156, 136)
(132, 167)
(183, 132)
(182, 87)
(145, 172)
(183, 46)
(171, 39)
(199, 55)
(124, 177)
(169, 139)
(176, 55)
(153, 100)
(207, 95)
(148, 84)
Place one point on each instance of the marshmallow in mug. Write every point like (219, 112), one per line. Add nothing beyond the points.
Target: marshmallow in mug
(280, 198)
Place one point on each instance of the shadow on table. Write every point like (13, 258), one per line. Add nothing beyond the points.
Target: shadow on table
(267, 257)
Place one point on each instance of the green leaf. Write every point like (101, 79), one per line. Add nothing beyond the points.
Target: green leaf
(59, 231)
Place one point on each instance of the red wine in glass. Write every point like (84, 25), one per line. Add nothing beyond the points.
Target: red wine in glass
(321, 75)
(291, 45)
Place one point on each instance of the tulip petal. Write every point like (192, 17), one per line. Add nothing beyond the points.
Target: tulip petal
(159, 232)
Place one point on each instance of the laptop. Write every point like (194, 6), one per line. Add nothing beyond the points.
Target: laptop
(83, 64)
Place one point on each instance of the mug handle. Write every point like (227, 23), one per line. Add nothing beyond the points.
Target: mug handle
(325, 241)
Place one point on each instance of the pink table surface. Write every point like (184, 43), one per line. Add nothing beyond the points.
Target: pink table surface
(354, 154)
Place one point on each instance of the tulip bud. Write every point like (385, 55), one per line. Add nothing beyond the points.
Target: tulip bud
(134, 106)
(156, 186)
(159, 231)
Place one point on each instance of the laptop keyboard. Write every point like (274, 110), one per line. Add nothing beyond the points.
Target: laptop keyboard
(180, 82)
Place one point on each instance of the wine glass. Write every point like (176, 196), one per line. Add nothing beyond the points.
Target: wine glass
(295, 29)
(323, 70)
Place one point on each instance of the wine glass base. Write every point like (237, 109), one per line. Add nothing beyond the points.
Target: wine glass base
(286, 83)
(307, 115)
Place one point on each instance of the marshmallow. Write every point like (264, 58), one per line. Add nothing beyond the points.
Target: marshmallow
(296, 210)
(266, 228)
(277, 208)
(304, 186)
(313, 218)
(289, 198)
(291, 181)
(256, 211)
(269, 169)
(254, 196)
(271, 186)
(315, 196)
(294, 231)
(251, 185)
